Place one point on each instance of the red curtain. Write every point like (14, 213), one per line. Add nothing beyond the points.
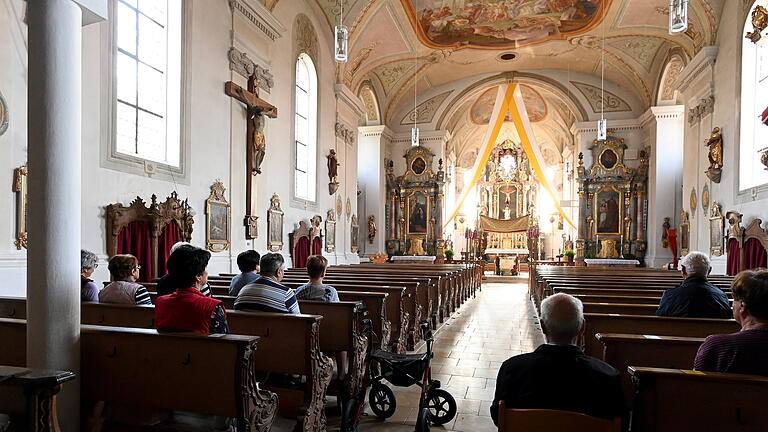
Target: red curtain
(755, 255)
(301, 252)
(734, 253)
(317, 246)
(136, 239)
(672, 236)
(169, 236)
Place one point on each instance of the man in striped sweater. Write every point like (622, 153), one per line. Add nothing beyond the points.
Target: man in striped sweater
(267, 294)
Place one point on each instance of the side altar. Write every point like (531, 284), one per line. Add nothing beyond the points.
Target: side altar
(613, 203)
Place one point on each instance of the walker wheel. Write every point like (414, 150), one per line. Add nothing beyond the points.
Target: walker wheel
(422, 422)
(382, 401)
(441, 406)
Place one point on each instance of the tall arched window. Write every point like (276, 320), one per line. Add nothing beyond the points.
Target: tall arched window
(305, 129)
(754, 100)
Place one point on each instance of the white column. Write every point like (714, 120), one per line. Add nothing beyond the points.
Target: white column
(665, 178)
(53, 266)
(372, 144)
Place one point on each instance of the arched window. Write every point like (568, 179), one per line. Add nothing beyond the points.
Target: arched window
(754, 100)
(305, 129)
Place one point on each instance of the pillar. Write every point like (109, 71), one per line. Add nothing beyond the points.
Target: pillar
(665, 177)
(372, 144)
(54, 135)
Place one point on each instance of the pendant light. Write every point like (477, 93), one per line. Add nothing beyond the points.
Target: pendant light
(414, 129)
(341, 41)
(602, 124)
(678, 16)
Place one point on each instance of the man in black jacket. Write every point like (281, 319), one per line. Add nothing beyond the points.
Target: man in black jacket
(558, 375)
(696, 297)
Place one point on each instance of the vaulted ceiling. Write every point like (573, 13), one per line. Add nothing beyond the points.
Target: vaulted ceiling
(446, 47)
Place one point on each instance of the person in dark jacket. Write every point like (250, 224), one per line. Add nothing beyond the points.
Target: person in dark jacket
(558, 375)
(167, 284)
(696, 297)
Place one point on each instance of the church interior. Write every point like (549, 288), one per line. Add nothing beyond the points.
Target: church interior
(462, 171)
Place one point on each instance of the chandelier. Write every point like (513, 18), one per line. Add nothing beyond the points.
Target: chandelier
(678, 16)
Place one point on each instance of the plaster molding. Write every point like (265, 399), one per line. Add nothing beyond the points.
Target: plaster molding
(346, 133)
(615, 125)
(703, 62)
(376, 131)
(350, 99)
(242, 64)
(439, 136)
(704, 108)
(259, 16)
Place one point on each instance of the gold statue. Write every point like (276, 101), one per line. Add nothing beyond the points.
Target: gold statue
(715, 144)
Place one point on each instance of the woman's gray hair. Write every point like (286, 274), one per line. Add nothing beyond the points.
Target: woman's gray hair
(696, 264)
(562, 315)
(88, 260)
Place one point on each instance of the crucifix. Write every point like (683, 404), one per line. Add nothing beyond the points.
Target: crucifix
(256, 144)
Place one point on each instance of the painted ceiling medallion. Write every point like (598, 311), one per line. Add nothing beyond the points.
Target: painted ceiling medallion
(497, 24)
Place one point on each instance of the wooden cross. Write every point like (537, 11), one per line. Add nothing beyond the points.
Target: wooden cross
(255, 142)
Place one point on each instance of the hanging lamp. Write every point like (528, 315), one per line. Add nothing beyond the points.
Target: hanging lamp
(341, 44)
(602, 124)
(678, 16)
(414, 129)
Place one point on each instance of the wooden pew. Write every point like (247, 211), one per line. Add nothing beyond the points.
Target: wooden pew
(624, 350)
(27, 396)
(651, 325)
(674, 400)
(167, 371)
(288, 344)
(621, 308)
(376, 305)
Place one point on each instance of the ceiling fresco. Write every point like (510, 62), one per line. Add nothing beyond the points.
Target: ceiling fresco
(500, 24)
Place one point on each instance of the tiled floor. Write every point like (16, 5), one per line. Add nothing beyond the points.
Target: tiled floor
(496, 325)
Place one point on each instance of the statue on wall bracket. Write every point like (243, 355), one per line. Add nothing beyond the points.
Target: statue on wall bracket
(333, 173)
(715, 144)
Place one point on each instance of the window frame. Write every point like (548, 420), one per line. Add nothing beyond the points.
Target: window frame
(110, 158)
(314, 126)
(756, 191)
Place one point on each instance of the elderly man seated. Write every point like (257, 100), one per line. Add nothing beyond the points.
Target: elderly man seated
(558, 375)
(696, 297)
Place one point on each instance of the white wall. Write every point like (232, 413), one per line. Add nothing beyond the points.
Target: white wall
(215, 131)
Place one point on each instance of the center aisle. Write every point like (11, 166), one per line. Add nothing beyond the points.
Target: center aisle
(469, 350)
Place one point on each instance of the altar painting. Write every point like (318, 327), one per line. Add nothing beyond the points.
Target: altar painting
(608, 211)
(500, 23)
(507, 202)
(418, 214)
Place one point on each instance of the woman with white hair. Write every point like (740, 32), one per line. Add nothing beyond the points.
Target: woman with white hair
(696, 297)
(89, 291)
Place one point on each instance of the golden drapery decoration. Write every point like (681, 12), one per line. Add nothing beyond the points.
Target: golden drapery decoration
(509, 99)
(488, 224)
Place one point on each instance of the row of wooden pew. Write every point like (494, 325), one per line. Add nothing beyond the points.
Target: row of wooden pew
(125, 361)
(655, 354)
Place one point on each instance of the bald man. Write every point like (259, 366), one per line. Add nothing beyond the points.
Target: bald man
(558, 375)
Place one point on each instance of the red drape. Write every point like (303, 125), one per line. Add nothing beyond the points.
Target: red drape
(169, 236)
(734, 253)
(317, 246)
(755, 255)
(136, 239)
(301, 252)
(672, 236)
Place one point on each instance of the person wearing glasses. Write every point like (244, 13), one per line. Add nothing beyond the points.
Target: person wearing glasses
(89, 291)
(124, 270)
(267, 294)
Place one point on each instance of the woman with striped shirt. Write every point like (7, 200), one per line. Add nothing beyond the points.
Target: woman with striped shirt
(123, 288)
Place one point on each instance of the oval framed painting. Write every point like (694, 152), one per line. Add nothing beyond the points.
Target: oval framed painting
(694, 201)
(705, 198)
(3, 115)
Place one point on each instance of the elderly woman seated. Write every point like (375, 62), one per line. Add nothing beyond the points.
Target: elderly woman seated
(744, 352)
(696, 297)
(124, 270)
(188, 309)
(89, 291)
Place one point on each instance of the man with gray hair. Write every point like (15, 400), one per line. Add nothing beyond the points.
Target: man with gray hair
(558, 375)
(267, 294)
(696, 297)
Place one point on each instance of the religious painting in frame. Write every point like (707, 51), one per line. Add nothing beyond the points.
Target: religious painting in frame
(418, 212)
(330, 231)
(20, 187)
(354, 235)
(608, 211)
(275, 216)
(716, 228)
(608, 159)
(219, 219)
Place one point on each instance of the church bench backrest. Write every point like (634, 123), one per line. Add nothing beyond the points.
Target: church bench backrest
(652, 325)
(169, 371)
(615, 292)
(674, 400)
(586, 298)
(27, 397)
(525, 420)
(621, 308)
(624, 350)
